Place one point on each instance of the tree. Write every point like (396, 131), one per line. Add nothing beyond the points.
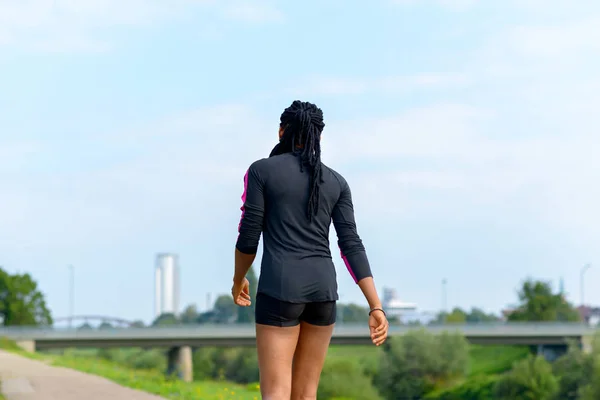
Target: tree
(190, 315)
(21, 302)
(457, 316)
(166, 319)
(539, 303)
(351, 313)
(105, 326)
(245, 315)
(138, 324)
(225, 309)
(85, 327)
(478, 315)
(207, 317)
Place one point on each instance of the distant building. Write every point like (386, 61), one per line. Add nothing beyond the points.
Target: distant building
(590, 315)
(506, 313)
(166, 284)
(396, 308)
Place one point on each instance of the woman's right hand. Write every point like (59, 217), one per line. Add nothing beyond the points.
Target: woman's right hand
(378, 325)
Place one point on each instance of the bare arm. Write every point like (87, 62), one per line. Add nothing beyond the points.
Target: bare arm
(367, 285)
(243, 262)
(378, 323)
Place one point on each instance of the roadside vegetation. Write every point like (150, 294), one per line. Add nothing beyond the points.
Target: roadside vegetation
(416, 365)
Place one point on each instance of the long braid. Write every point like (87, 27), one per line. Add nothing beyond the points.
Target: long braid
(303, 124)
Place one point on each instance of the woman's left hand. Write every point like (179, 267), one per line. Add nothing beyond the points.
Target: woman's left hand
(241, 293)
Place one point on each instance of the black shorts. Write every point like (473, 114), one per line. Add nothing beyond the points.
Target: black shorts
(270, 311)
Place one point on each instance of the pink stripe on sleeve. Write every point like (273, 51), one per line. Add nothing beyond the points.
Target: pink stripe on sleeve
(242, 208)
(348, 266)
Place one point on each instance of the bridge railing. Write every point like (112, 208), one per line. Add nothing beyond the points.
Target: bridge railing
(345, 330)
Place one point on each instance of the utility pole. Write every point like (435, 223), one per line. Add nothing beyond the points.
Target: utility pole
(71, 295)
(444, 297)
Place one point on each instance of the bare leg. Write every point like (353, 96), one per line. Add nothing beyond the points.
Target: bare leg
(276, 346)
(309, 359)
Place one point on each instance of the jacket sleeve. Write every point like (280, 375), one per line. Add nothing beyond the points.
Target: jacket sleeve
(351, 246)
(253, 211)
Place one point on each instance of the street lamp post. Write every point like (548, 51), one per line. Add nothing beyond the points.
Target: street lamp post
(71, 294)
(444, 295)
(581, 282)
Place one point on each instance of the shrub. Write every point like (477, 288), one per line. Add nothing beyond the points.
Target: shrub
(238, 365)
(453, 355)
(530, 379)
(204, 363)
(243, 368)
(146, 360)
(414, 364)
(574, 371)
(591, 391)
(222, 359)
(345, 379)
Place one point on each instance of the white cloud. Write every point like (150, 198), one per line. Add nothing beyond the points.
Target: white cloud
(530, 143)
(394, 164)
(71, 25)
(453, 160)
(180, 163)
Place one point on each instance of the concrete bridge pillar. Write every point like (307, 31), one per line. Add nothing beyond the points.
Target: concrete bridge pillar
(27, 345)
(179, 363)
(587, 343)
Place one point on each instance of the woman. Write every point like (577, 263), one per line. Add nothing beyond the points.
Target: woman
(291, 197)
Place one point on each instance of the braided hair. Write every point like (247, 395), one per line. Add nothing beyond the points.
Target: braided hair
(302, 123)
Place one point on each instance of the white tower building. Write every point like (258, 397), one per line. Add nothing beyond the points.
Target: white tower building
(166, 284)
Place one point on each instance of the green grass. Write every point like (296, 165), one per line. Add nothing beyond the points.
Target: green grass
(492, 360)
(361, 352)
(9, 345)
(155, 381)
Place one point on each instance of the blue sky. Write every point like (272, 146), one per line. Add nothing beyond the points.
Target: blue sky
(468, 131)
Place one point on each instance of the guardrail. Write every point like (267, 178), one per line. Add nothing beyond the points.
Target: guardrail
(245, 331)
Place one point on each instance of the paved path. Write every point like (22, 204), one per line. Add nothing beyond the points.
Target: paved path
(24, 379)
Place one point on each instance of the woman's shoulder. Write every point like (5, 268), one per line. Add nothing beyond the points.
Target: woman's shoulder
(334, 174)
(259, 164)
(273, 161)
(264, 167)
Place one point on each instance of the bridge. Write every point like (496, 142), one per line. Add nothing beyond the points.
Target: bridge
(180, 340)
(95, 318)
